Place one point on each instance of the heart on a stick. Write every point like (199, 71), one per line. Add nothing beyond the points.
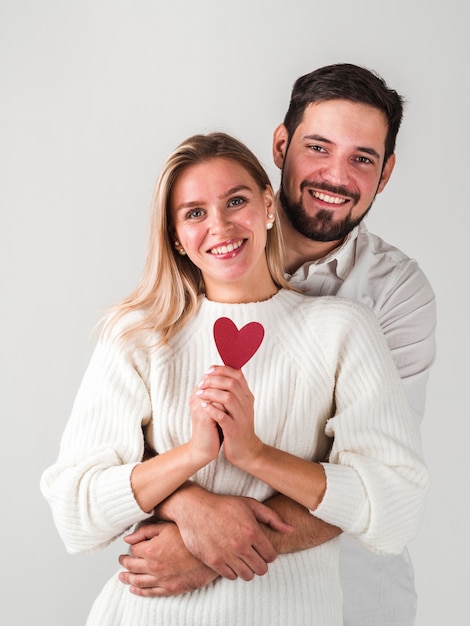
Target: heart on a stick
(236, 347)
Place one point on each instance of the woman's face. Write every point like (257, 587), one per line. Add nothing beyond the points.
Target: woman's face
(219, 215)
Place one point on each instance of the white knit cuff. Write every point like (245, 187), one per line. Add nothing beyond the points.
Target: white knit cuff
(114, 490)
(345, 503)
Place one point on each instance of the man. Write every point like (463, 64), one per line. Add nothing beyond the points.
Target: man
(336, 152)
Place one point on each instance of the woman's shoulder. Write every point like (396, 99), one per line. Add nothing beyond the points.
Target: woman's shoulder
(129, 330)
(326, 305)
(326, 318)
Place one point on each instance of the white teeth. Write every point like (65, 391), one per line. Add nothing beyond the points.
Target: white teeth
(228, 248)
(327, 198)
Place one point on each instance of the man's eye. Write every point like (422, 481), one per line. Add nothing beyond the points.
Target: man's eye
(363, 159)
(316, 148)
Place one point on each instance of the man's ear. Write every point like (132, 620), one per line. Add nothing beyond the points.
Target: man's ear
(280, 142)
(386, 172)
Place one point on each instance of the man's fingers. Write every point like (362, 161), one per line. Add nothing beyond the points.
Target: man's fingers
(133, 564)
(142, 581)
(272, 519)
(151, 592)
(147, 586)
(143, 533)
(258, 566)
(248, 563)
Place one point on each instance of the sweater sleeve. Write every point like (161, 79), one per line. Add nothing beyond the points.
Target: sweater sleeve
(88, 487)
(376, 477)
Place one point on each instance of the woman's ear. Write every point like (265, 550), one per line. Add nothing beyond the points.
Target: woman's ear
(269, 204)
(175, 242)
(269, 199)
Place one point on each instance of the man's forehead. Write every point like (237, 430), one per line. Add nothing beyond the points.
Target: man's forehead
(345, 110)
(338, 120)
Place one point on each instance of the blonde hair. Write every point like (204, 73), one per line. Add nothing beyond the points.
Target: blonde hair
(169, 289)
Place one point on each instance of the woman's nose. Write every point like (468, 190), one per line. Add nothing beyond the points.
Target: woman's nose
(219, 222)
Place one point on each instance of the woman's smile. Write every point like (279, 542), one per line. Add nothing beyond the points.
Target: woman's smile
(227, 249)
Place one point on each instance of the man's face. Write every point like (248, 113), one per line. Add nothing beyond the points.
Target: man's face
(333, 167)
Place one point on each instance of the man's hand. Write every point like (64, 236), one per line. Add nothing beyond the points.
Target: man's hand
(218, 529)
(224, 532)
(159, 563)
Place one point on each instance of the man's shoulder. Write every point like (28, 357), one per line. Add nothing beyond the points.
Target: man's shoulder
(381, 258)
(366, 268)
(376, 245)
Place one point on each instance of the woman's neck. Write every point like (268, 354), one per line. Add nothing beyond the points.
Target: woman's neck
(241, 294)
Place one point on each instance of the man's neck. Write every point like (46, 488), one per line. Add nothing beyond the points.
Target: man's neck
(300, 249)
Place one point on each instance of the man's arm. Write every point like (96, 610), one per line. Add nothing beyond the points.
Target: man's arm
(309, 531)
(213, 525)
(218, 535)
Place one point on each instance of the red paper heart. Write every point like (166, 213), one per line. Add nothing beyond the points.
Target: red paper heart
(236, 347)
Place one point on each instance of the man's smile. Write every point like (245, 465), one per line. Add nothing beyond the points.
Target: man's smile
(326, 198)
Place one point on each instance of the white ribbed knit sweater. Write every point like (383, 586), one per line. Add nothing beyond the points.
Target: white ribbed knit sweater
(323, 374)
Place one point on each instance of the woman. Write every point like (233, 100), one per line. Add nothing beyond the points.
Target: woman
(155, 398)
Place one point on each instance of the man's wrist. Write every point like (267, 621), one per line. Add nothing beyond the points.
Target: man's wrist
(309, 531)
(172, 507)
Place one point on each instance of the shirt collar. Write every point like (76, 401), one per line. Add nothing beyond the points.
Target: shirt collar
(341, 258)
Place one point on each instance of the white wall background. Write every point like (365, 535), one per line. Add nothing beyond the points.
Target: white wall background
(93, 96)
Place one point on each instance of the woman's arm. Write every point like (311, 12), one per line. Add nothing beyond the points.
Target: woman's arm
(99, 486)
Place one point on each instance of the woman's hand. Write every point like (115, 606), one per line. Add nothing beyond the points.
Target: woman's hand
(205, 439)
(225, 398)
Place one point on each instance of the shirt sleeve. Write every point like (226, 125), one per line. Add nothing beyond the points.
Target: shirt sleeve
(88, 487)
(406, 311)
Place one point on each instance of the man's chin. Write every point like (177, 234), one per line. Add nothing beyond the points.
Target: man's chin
(326, 232)
(323, 225)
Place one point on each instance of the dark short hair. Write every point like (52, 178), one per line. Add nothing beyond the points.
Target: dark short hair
(346, 82)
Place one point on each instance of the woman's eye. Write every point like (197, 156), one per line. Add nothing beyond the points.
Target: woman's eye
(236, 202)
(194, 214)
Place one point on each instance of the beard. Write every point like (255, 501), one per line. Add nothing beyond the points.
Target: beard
(322, 227)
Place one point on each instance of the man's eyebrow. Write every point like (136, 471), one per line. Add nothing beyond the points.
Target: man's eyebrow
(318, 138)
(364, 149)
(370, 151)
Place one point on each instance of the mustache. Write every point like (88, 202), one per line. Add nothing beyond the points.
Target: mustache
(338, 190)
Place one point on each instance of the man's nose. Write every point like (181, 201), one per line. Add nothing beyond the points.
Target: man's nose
(336, 171)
